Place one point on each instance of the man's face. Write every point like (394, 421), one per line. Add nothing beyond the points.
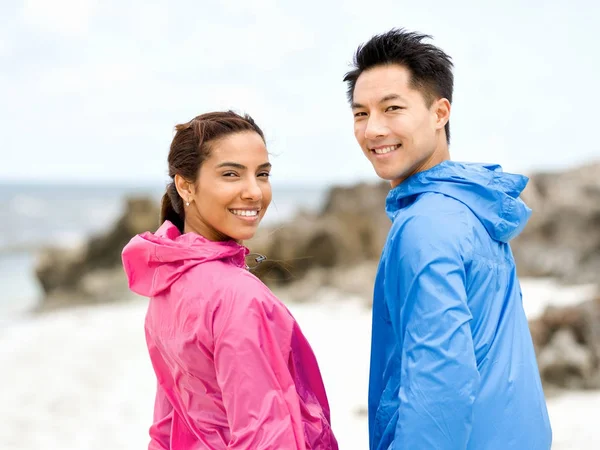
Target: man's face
(393, 125)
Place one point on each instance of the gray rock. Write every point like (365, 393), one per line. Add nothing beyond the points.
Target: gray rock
(562, 238)
(566, 363)
(349, 230)
(93, 273)
(567, 343)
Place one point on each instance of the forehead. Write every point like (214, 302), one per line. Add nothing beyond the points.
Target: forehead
(245, 146)
(381, 81)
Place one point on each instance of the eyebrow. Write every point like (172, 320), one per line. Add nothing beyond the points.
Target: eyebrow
(384, 99)
(266, 165)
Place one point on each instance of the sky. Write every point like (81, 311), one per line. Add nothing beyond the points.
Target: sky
(90, 90)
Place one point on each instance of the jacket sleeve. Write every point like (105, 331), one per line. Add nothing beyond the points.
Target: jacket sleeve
(160, 431)
(252, 347)
(439, 380)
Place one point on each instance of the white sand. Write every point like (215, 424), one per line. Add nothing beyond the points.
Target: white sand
(542, 292)
(80, 379)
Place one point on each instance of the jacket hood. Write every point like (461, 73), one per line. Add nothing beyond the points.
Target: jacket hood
(491, 194)
(154, 261)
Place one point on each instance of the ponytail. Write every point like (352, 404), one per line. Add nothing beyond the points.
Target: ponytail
(171, 208)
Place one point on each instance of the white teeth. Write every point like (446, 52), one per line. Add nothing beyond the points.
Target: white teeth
(384, 150)
(244, 212)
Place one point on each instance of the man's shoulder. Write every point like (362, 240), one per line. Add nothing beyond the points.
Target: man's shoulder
(435, 208)
(434, 222)
(437, 204)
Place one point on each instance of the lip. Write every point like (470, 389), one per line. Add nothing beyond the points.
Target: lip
(246, 218)
(383, 155)
(379, 147)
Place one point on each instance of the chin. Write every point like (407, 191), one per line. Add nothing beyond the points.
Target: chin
(388, 176)
(393, 172)
(243, 235)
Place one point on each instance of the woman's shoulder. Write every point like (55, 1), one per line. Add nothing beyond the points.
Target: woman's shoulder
(223, 292)
(221, 281)
(245, 286)
(244, 302)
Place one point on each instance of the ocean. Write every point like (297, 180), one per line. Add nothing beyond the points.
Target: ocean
(33, 216)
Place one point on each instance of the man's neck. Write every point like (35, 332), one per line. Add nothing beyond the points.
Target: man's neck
(438, 156)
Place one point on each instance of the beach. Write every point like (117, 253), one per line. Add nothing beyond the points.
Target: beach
(80, 378)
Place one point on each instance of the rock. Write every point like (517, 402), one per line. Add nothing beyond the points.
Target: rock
(93, 273)
(58, 267)
(562, 238)
(567, 343)
(358, 279)
(339, 246)
(355, 281)
(349, 230)
(361, 411)
(141, 214)
(564, 362)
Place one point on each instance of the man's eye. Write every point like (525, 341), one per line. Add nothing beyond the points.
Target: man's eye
(394, 108)
(360, 114)
(264, 174)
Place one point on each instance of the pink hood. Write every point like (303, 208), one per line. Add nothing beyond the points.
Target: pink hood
(233, 369)
(153, 262)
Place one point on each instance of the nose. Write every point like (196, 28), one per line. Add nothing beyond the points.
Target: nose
(252, 190)
(375, 127)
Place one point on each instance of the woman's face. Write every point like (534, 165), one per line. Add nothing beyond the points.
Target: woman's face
(233, 191)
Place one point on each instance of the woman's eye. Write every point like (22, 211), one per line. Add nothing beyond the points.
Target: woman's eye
(230, 174)
(264, 174)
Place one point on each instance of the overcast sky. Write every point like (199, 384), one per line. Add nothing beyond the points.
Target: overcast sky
(90, 90)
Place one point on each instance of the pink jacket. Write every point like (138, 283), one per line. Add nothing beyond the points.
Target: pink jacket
(234, 370)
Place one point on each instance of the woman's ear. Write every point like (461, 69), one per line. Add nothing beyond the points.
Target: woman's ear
(185, 189)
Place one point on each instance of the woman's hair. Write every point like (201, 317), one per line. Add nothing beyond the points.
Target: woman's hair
(190, 147)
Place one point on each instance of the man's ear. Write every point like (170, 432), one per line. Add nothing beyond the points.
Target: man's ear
(442, 112)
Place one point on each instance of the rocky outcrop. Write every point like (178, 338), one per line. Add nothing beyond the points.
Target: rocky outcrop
(341, 283)
(93, 273)
(339, 245)
(567, 343)
(350, 229)
(562, 238)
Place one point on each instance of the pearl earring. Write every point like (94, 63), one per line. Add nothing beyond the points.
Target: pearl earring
(187, 203)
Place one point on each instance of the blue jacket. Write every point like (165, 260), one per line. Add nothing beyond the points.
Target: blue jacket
(452, 360)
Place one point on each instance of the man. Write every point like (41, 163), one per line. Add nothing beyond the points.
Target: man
(452, 360)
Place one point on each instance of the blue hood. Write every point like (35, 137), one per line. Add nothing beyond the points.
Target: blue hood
(492, 195)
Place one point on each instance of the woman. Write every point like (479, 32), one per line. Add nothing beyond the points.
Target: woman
(234, 370)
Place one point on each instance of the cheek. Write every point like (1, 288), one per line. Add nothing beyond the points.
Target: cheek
(359, 131)
(420, 129)
(402, 126)
(431, 121)
(267, 194)
(214, 198)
